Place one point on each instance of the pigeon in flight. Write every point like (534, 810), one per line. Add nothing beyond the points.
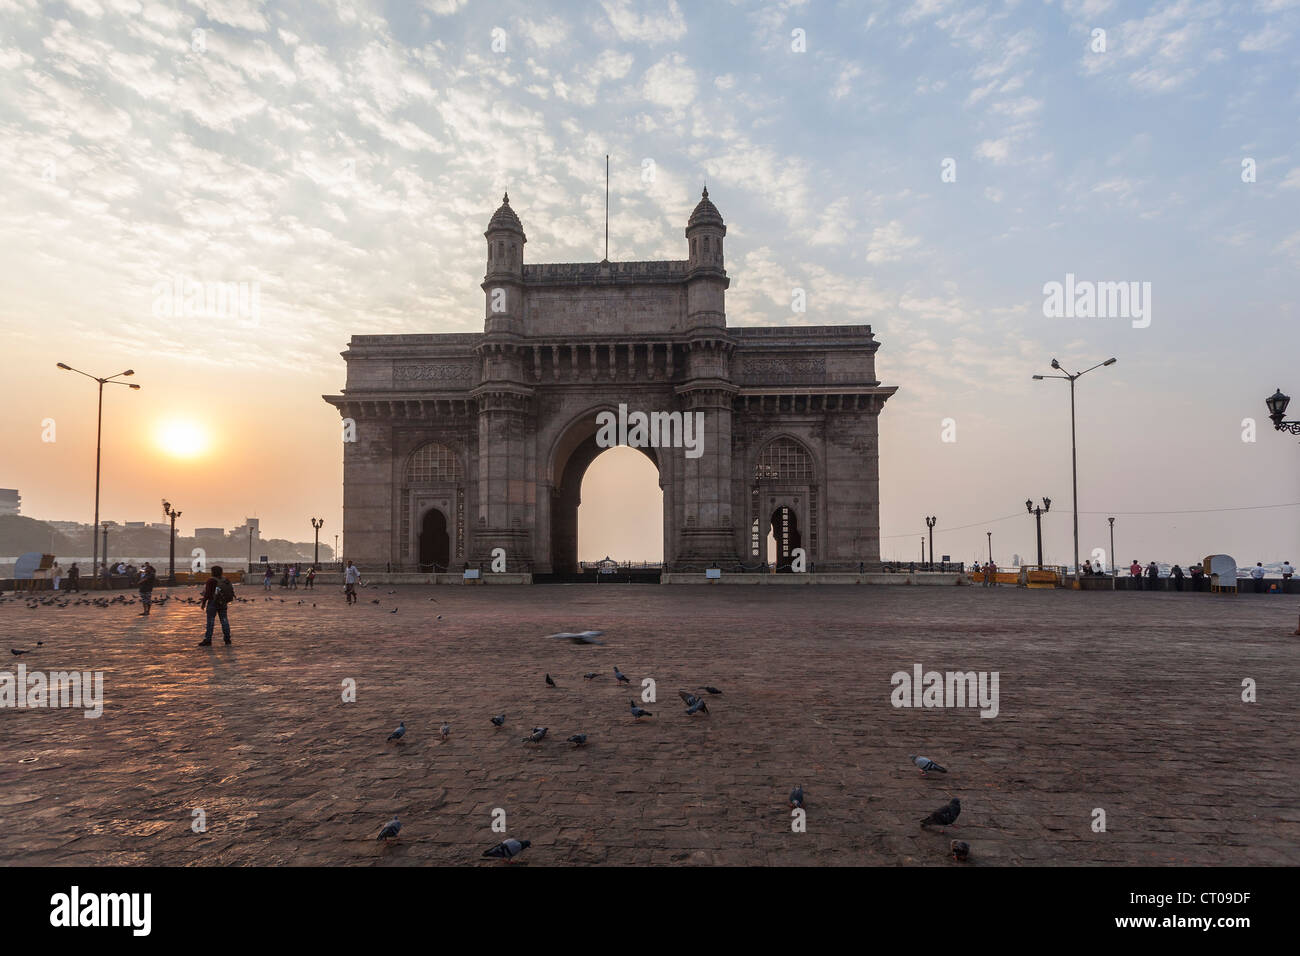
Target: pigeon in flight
(399, 733)
(620, 676)
(580, 637)
(925, 764)
(508, 849)
(390, 831)
(499, 720)
(637, 712)
(536, 736)
(590, 675)
(960, 850)
(687, 697)
(549, 682)
(578, 739)
(796, 797)
(945, 815)
(698, 707)
(445, 731)
(712, 690)
(16, 653)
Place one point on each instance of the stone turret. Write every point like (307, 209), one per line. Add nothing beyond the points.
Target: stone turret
(503, 282)
(706, 276)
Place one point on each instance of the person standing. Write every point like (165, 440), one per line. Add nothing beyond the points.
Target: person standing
(351, 576)
(217, 595)
(56, 573)
(1198, 572)
(1135, 573)
(266, 579)
(148, 578)
(1177, 574)
(311, 578)
(1153, 576)
(1257, 575)
(1287, 570)
(74, 578)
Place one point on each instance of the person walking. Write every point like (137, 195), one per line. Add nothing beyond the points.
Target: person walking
(293, 577)
(148, 578)
(1177, 574)
(351, 576)
(266, 579)
(1257, 575)
(217, 595)
(74, 578)
(311, 578)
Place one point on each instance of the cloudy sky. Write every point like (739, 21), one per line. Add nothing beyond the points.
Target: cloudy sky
(925, 167)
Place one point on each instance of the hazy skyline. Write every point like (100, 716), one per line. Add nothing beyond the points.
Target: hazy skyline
(344, 159)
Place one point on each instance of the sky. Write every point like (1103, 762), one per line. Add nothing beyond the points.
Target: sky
(926, 167)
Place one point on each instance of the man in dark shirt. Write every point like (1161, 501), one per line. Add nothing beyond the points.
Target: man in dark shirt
(148, 578)
(216, 596)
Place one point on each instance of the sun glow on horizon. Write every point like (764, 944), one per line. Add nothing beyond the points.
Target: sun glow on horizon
(182, 439)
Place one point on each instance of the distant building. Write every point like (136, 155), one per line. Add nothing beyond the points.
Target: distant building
(242, 530)
(134, 524)
(159, 526)
(69, 527)
(209, 532)
(11, 502)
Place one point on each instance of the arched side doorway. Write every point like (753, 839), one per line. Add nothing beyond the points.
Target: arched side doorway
(435, 542)
(784, 503)
(785, 537)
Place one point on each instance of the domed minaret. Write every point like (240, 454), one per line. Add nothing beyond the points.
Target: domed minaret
(504, 279)
(707, 392)
(505, 400)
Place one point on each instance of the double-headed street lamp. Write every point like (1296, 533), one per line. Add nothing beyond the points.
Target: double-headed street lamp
(99, 431)
(1038, 513)
(1277, 403)
(317, 523)
(930, 522)
(1074, 448)
(172, 513)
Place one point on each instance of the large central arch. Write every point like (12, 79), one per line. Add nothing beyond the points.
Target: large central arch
(571, 455)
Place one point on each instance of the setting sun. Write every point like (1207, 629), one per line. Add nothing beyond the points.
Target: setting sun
(182, 439)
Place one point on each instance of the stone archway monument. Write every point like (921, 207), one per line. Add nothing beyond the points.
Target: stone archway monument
(495, 430)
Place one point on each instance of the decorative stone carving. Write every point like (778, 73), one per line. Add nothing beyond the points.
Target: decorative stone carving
(459, 374)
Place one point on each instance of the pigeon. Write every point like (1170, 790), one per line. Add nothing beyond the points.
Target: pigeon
(536, 736)
(40, 643)
(712, 690)
(590, 675)
(960, 850)
(944, 816)
(445, 731)
(549, 682)
(926, 764)
(687, 697)
(393, 611)
(375, 601)
(499, 720)
(581, 637)
(390, 831)
(620, 676)
(796, 797)
(399, 733)
(697, 707)
(16, 653)
(637, 712)
(578, 739)
(508, 849)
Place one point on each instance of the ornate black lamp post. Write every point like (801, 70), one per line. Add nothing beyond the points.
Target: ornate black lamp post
(1277, 403)
(1038, 513)
(930, 522)
(99, 431)
(172, 513)
(1112, 546)
(317, 523)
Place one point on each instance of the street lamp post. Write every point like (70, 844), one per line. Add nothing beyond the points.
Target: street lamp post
(1074, 448)
(930, 522)
(172, 513)
(107, 573)
(336, 550)
(99, 431)
(1277, 403)
(990, 534)
(317, 523)
(1038, 513)
(1112, 546)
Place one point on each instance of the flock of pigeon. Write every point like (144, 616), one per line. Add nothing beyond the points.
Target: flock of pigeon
(510, 849)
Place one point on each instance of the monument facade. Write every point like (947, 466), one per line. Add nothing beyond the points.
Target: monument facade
(460, 444)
